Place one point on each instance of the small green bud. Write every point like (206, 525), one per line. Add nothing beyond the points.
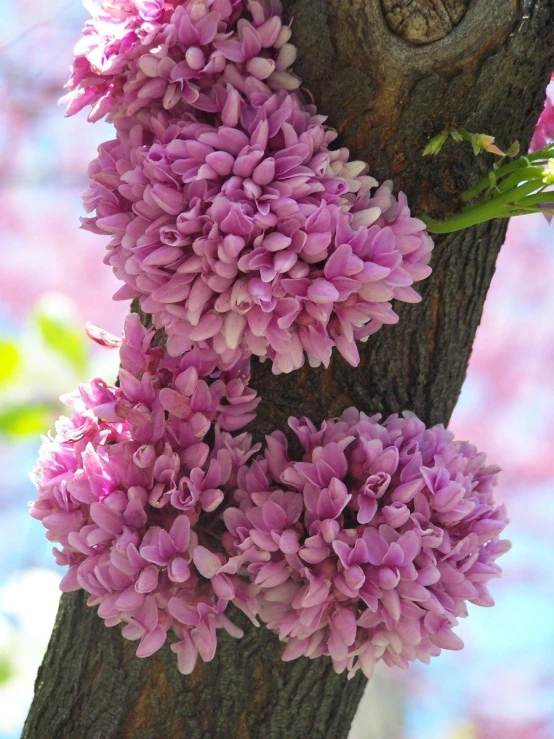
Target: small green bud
(436, 143)
(514, 150)
(548, 173)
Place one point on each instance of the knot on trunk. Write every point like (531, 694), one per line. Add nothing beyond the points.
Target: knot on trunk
(423, 21)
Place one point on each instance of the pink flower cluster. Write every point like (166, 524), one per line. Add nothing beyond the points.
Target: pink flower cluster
(244, 234)
(231, 218)
(371, 546)
(176, 55)
(368, 548)
(130, 488)
(256, 237)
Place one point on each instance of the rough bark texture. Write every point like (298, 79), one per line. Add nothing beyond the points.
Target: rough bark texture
(386, 96)
(423, 21)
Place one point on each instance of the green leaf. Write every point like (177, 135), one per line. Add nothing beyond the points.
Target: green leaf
(458, 135)
(27, 419)
(436, 143)
(10, 361)
(6, 668)
(64, 339)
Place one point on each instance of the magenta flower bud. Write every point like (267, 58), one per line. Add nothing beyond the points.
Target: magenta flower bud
(329, 530)
(187, 382)
(388, 578)
(314, 555)
(448, 496)
(175, 403)
(276, 241)
(101, 337)
(147, 580)
(287, 52)
(221, 162)
(272, 574)
(199, 425)
(405, 493)
(368, 507)
(231, 110)
(167, 199)
(145, 456)
(207, 563)
(233, 245)
(110, 521)
(288, 542)
(178, 570)
(260, 67)
(269, 31)
(223, 587)
(208, 326)
(195, 57)
(322, 291)
(247, 161)
(264, 173)
(211, 499)
(129, 600)
(396, 515)
(187, 654)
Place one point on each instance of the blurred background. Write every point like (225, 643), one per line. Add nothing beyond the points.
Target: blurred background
(501, 686)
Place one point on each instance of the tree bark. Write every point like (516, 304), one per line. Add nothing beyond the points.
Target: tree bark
(387, 88)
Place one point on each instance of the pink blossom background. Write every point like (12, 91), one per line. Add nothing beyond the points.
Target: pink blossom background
(502, 685)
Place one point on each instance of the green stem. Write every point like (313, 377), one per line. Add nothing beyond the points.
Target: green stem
(498, 207)
(485, 182)
(534, 200)
(527, 173)
(543, 155)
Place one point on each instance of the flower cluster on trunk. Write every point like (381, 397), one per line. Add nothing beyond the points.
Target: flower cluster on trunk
(371, 545)
(130, 487)
(245, 235)
(231, 217)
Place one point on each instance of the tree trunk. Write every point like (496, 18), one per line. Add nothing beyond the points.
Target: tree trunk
(390, 74)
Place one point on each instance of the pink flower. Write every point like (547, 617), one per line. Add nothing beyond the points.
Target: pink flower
(369, 547)
(131, 492)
